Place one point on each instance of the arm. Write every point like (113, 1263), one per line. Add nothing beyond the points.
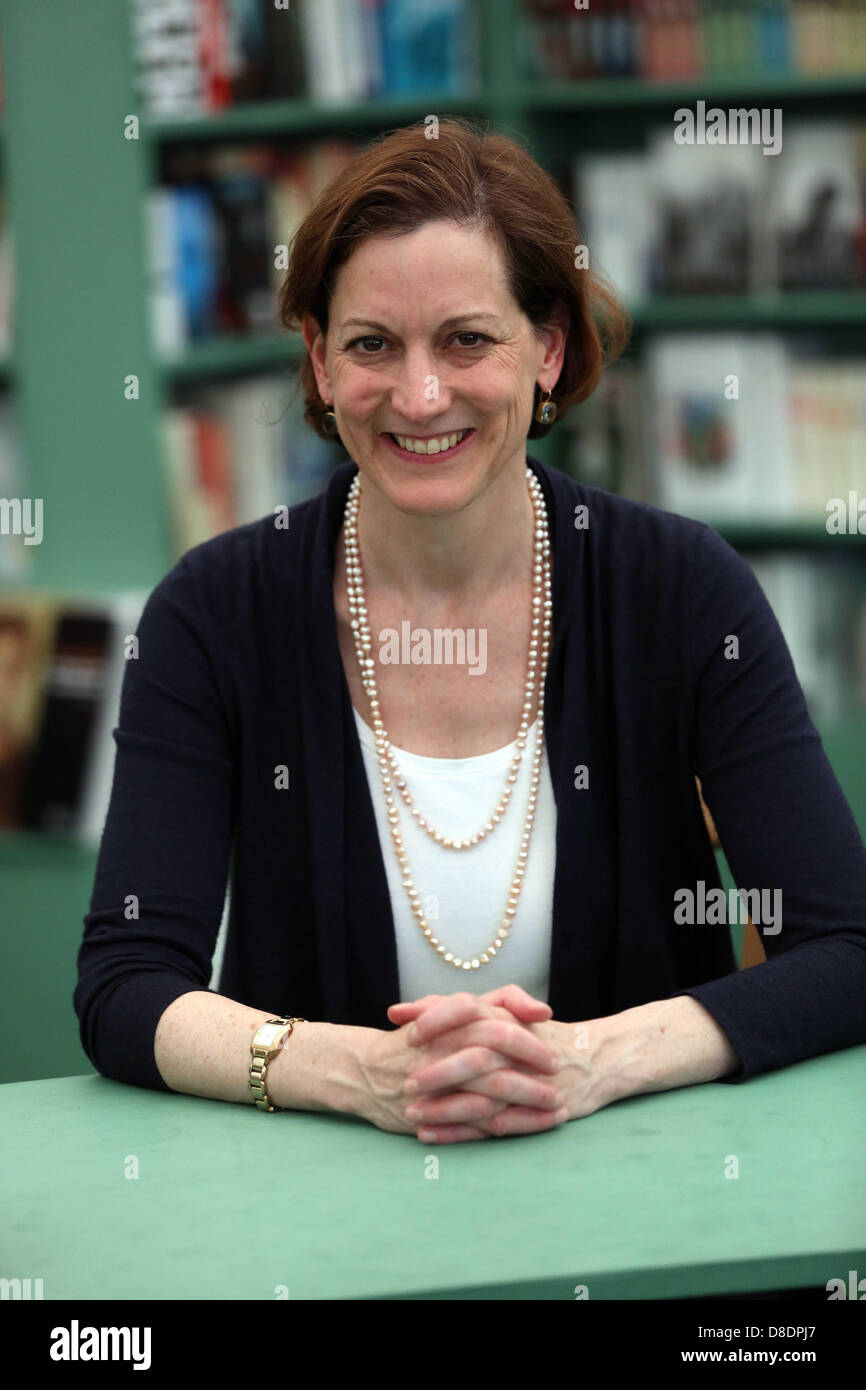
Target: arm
(653, 1047)
(202, 1048)
(784, 822)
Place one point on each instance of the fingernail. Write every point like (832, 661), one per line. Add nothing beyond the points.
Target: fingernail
(411, 1088)
(561, 1115)
(427, 1136)
(414, 1112)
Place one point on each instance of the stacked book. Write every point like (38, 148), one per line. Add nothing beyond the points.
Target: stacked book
(666, 40)
(238, 451)
(730, 429)
(61, 672)
(195, 57)
(220, 228)
(728, 219)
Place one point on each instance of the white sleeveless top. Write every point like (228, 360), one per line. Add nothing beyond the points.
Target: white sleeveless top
(464, 893)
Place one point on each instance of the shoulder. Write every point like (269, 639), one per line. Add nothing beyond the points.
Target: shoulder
(229, 571)
(630, 538)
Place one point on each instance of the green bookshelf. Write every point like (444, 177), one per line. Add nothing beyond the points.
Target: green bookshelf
(76, 188)
(749, 86)
(255, 120)
(800, 309)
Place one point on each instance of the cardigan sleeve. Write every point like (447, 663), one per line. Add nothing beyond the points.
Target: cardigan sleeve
(162, 868)
(783, 822)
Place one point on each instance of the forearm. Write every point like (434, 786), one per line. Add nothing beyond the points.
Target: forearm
(202, 1048)
(653, 1047)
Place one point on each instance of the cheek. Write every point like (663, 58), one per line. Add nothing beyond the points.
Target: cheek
(360, 391)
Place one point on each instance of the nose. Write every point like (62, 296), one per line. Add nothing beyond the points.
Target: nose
(418, 393)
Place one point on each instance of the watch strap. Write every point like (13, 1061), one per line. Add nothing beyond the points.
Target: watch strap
(260, 1058)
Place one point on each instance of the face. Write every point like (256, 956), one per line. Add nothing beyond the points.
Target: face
(425, 342)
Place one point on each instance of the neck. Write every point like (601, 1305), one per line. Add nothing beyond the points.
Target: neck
(464, 555)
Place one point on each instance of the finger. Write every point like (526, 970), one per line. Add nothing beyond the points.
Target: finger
(488, 1043)
(521, 1004)
(408, 1009)
(517, 1088)
(451, 1134)
(450, 1011)
(517, 1119)
(463, 1107)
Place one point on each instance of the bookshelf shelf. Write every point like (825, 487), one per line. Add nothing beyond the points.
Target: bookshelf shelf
(258, 119)
(783, 535)
(228, 356)
(635, 92)
(806, 307)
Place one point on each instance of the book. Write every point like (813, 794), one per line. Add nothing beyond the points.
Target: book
(28, 624)
(75, 682)
(607, 436)
(817, 206)
(704, 211)
(213, 229)
(237, 452)
(611, 194)
(720, 426)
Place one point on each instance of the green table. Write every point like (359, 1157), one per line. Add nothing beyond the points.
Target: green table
(230, 1203)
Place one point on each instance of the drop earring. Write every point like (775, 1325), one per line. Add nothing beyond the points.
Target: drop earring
(329, 422)
(546, 411)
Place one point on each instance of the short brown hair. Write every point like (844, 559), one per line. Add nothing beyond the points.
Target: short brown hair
(403, 180)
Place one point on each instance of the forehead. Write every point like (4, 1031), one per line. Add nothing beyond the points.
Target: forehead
(435, 265)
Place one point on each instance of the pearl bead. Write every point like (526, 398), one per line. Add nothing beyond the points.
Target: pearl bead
(540, 623)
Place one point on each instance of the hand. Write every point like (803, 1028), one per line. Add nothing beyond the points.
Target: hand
(477, 1078)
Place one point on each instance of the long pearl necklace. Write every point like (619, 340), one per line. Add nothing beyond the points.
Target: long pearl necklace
(542, 613)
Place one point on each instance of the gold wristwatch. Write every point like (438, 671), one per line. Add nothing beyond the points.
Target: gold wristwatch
(268, 1039)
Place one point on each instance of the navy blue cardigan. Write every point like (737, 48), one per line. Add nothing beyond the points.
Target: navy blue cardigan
(239, 673)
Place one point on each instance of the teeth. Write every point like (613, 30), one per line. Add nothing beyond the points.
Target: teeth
(430, 446)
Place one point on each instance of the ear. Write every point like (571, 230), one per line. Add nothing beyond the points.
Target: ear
(314, 339)
(554, 335)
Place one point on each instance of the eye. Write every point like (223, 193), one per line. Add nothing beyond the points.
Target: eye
(469, 334)
(368, 339)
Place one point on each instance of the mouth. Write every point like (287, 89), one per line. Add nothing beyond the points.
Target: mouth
(431, 450)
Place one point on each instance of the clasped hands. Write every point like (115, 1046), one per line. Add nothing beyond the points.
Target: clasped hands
(466, 1066)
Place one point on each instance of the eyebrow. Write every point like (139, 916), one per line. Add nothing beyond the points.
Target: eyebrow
(447, 323)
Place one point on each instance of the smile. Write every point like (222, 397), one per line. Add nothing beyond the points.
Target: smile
(436, 446)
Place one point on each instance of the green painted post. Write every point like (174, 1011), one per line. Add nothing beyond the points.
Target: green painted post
(76, 191)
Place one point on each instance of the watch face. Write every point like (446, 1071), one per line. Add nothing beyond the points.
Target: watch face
(267, 1034)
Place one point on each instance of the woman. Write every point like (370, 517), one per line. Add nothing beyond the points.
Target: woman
(458, 868)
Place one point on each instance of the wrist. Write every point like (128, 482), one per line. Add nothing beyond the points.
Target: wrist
(319, 1068)
(658, 1046)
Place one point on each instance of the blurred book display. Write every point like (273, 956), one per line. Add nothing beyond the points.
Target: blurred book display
(726, 219)
(236, 451)
(820, 603)
(214, 229)
(61, 670)
(195, 57)
(666, 40)
(727, 428)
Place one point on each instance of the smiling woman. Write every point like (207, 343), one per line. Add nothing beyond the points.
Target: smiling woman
(392, 822)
